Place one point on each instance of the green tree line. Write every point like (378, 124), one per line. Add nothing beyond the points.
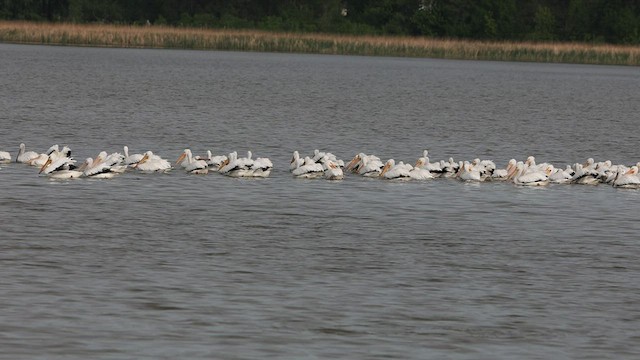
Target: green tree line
(610, 21)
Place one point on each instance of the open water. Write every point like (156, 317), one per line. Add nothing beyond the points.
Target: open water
(168, 266)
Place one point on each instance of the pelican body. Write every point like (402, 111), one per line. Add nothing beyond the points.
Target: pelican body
(191, 165)
(151, 162)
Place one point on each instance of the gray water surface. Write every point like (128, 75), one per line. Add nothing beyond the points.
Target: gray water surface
(177, 266)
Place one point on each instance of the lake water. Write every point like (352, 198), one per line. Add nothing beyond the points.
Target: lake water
(199, 267)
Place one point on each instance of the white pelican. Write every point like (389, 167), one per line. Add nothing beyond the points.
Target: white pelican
(192, 166)
(151, 162)
(423, 163)
(604, 171)
(261, 167)
(393, 171)
(60, 168)
(5, 157)
(468, 172)
(235, 167)
(97, 169)
(296, 161)
(365, 165)
(585, 175)
(113, 161)
(532, 178)
(332, 171)
(245, 166)
(322, 157)
(215, 161)
(41, 159)
(309, 170)
(501, 174)
(628, 179)
(228, 166)
(450, 168)
(357, 162)
(485, 167)
(24, 156)
(560, 176)
(418, 173)
(610, 175)
(318, 155)
(131, 159)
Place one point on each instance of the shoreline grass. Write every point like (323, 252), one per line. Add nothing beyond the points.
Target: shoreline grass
(260, 41)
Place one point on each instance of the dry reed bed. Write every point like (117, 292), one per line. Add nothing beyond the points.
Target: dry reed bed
(238, 40)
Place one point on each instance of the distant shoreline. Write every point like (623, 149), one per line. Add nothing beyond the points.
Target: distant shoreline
(159, 37)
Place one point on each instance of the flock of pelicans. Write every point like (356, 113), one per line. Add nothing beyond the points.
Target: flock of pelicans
(57, 163)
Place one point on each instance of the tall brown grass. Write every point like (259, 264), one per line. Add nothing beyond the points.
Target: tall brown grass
(239, 40)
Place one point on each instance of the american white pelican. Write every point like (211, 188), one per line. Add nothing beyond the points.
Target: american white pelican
(560, 176)
(468, 172)
(530, 178)
(450, 168)
(25, 156)
(318, 155)
(5, 157)
(485, 168)
(417, 173)
(423, 163)
(245, 165)
(296, 161)
(370, 166)
(501, 174)
(610, 175)
(60, 168)
(131, 159)
(356, 164)
(309, 170)
(113, 161)
(214, 161)
(322, 157)
(151, 162)
(97, 169)
(585, 175)
(365, 165)
(193, 166)
(604, 171)
(234, 166)
(41, 159)
(628, 179)
(332, 171)
(392, 171)
(261, 167)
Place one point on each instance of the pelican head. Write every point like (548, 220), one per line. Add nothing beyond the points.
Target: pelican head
(184, 154)
(531, 161)
(224, 163)
(356, 159)
(144, 159)
(46, 165)
(88, 163)
(53, 149)
(101, 157)
(21, 151)
(66, 151)
(549, 170)
(389, 164)
(296, 156)
(589, 162)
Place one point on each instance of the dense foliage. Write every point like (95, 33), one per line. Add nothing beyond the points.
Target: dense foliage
(614, 21)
